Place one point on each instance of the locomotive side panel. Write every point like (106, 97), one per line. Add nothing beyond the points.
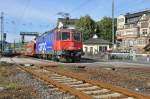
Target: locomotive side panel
(68, 45)
(45, 43)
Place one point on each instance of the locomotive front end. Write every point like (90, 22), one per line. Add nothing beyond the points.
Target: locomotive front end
(69, 44)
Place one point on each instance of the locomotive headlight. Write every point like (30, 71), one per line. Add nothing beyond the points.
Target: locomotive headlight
(79, 53)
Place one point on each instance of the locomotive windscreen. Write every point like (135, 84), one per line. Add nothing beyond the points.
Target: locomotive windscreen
(77, 36)
(65, 35)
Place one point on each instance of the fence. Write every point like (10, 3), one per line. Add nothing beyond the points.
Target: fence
(129, 57)
(125, 56)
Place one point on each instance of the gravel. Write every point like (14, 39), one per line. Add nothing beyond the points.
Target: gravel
(135, 79)
(43, 91)
(131, 78)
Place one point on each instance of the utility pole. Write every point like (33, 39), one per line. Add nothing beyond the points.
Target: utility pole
(14, 46)
(113, 25)
(2, 30)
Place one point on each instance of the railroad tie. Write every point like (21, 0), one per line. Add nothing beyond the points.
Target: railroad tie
(107, 96)
(97, 91)
(88, 88)
(81, 85)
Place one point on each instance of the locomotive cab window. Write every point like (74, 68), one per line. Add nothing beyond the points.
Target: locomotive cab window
(58, 35)
(65, 35)
(77, 36)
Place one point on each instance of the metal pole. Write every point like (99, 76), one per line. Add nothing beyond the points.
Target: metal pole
(2, 30)
(14, 46)
(113, 22)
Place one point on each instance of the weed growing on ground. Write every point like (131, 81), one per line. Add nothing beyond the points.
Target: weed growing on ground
(61, 66)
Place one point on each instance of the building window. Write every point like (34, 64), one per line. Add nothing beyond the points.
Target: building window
(144, 24)
(86, 49)
(135, 42)
(131, 42)
(120, 20)
(130, 20)
(141, 42)
(102, 48)
(91, 50)
(144, 31)
(105, 48)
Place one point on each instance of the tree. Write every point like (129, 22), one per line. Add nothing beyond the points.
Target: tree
(105, 28)
(87, 26)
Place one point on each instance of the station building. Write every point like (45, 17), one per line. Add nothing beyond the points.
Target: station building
(95, 46)
(133, 31)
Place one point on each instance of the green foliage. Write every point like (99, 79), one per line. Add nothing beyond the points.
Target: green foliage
(105, 28)
(87, 26)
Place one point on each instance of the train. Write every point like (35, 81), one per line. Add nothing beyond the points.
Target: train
(58, 44)
(9, 52)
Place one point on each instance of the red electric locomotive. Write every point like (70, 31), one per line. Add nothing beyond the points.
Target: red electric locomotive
(68, 44)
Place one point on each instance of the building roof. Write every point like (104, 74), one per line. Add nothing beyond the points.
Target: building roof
(96, 41)
(137, 14)
(134, 18)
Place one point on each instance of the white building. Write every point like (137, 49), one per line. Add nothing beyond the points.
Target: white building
(95, 45)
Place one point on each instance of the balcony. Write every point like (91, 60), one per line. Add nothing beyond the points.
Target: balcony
(130, 26)
(145, 35)
(127, 34)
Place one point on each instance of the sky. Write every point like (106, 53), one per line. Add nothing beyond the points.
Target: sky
(41, 15)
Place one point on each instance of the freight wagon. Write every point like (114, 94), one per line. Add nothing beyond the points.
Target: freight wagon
(30, 48)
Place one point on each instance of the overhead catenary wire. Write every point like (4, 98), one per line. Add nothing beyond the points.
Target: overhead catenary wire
(80, 6)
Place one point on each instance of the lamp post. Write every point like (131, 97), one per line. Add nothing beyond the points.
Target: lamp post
(113, 32)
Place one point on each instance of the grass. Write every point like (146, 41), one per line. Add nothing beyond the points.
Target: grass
(5, 73)
(11, 86)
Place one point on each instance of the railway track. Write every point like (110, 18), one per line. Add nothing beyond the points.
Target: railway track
(78, 87)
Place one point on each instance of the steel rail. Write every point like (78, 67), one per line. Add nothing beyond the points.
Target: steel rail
(57, 84)
(101, 84)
